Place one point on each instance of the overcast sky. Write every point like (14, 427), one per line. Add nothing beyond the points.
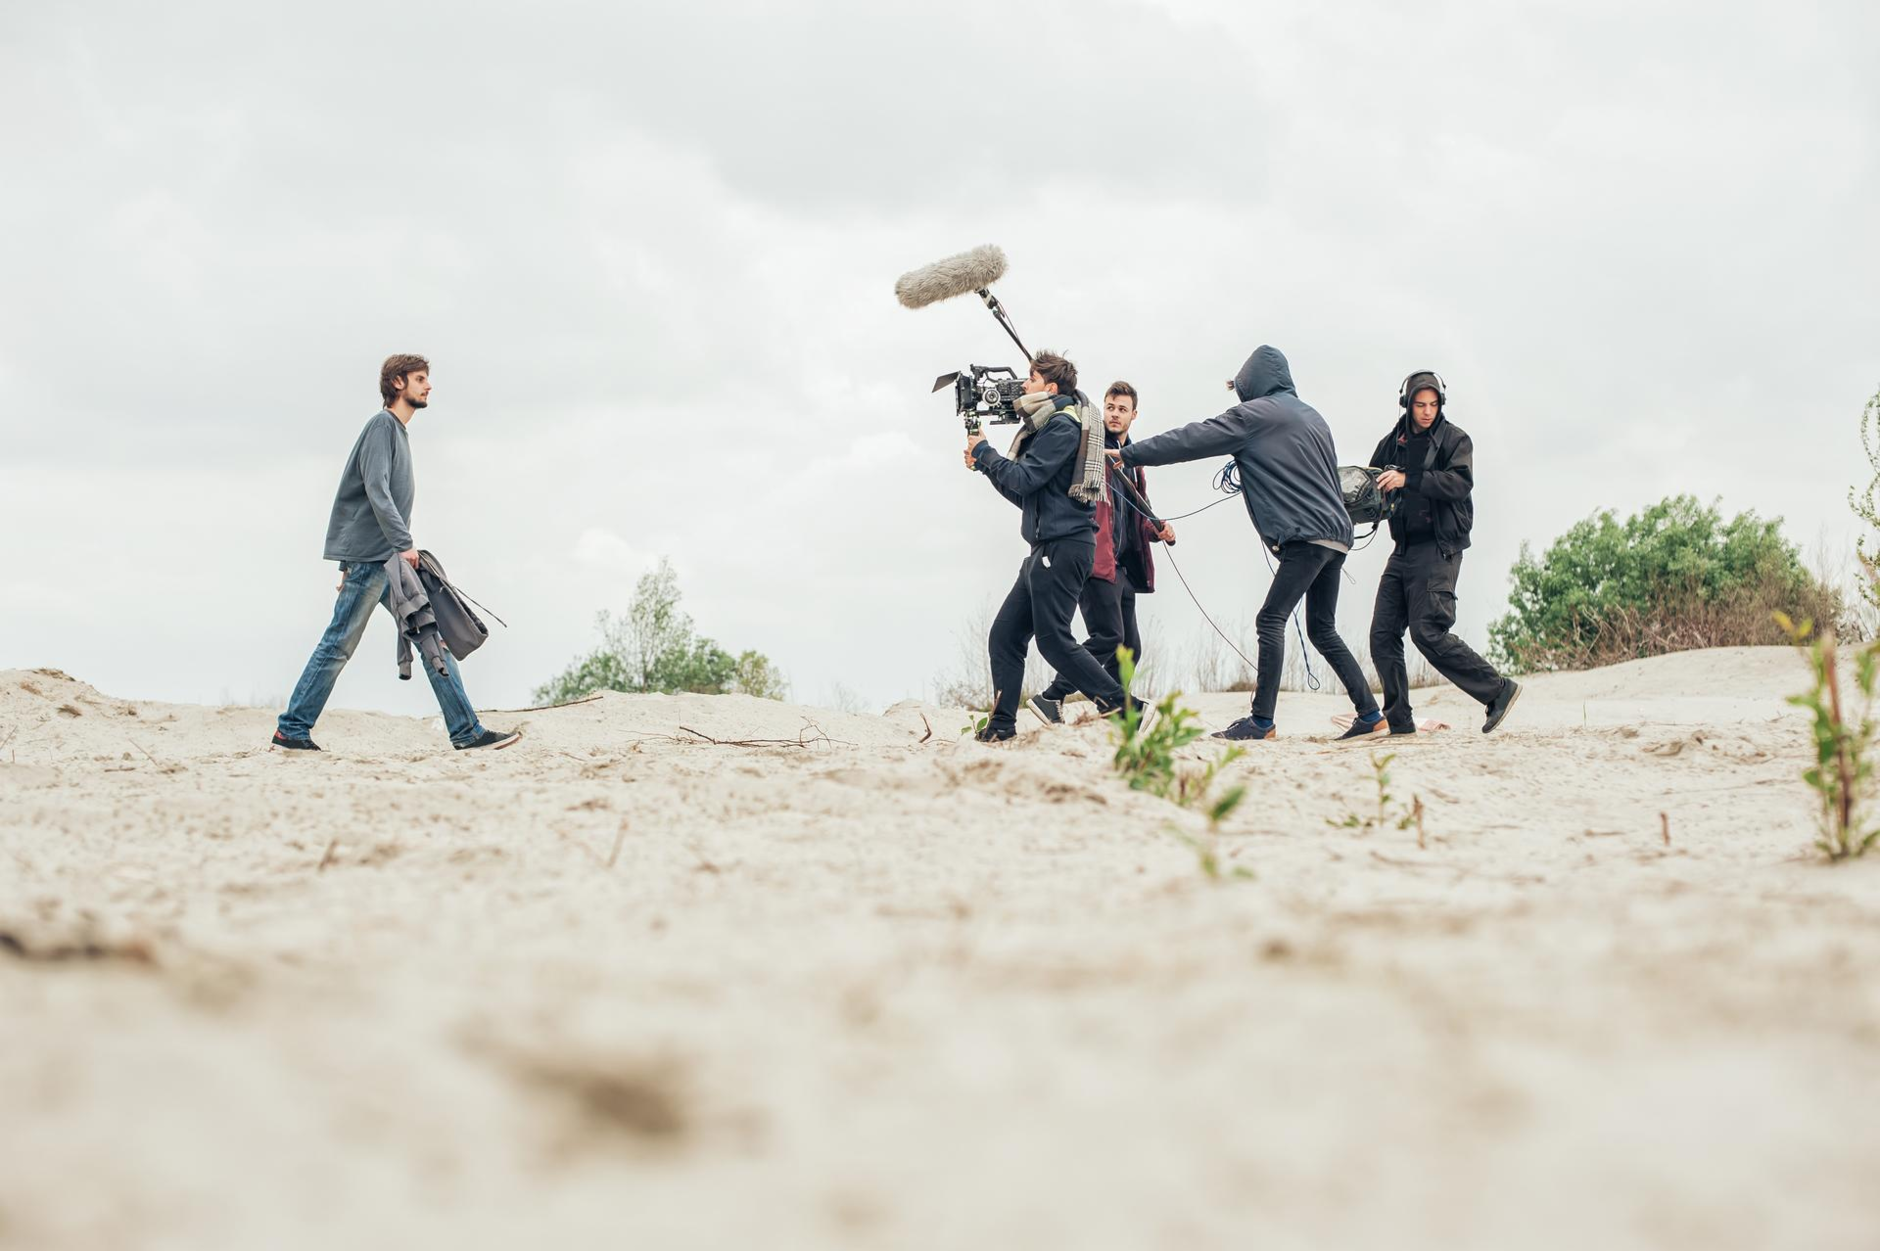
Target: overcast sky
(650, 251)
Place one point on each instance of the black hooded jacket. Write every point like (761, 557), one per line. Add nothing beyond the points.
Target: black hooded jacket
(1436, 492)
(1282, 447)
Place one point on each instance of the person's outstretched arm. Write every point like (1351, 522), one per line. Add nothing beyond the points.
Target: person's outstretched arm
(1217, 436)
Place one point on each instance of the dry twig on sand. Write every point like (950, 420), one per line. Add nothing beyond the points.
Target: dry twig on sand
(811, 735)
(168, 770)
(585, 699)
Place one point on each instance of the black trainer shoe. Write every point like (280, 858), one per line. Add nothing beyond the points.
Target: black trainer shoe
(294, 744)
(1359, 731)
(1050, 711)
(1244, 730)
(1145, 713)
(1498, 711)
(498, 739)
(994, 734)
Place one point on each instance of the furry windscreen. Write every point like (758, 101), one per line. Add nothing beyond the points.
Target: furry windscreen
(956, 275)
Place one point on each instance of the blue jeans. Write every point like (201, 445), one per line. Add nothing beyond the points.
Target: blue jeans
(366, 585)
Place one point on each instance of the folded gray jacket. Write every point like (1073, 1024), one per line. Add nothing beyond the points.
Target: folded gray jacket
(462, 629)
(417, 623)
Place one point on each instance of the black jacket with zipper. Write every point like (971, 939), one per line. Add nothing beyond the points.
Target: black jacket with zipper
(1040, 480)
(1437, 488)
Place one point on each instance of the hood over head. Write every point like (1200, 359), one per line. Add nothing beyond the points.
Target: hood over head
(1265, 373)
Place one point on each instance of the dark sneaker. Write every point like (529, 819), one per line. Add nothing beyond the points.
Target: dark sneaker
(1359, 731)
(294, 744)
(1145, 713)
(1244, 730)
(1498, 711)
(994, 733)
(498, 739)
(1050, 711)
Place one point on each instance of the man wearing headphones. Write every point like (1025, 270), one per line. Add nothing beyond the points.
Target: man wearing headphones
(1429, 467)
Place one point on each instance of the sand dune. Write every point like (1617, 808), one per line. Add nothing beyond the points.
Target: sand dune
(623, 986)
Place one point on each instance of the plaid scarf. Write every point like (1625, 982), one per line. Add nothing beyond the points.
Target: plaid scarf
(1089, 488)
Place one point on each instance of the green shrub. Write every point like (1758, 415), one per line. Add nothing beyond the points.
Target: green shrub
(1673, 577)
(654, 648)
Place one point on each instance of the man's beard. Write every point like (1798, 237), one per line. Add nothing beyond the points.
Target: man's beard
(415, 402)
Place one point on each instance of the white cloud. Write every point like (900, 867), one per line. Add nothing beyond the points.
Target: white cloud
(606, 552)
(1644, 262)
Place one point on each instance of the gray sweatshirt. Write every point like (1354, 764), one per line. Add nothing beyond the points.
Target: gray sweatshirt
(372, 512)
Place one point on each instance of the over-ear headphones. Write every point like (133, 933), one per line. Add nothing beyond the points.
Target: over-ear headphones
(1404, 394)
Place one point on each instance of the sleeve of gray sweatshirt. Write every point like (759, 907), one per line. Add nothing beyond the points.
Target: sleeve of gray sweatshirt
(1217, 436)
(375, 468)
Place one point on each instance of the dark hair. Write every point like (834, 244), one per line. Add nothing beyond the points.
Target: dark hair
(395, 369)
(1054, 368)
(1119, 387)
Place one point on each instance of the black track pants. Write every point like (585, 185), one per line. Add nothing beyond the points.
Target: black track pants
(1310, 572)
(1041, 604)
(1109, 609)
(1418, 593)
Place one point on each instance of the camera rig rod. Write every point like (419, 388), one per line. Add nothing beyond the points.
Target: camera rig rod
(999, 314)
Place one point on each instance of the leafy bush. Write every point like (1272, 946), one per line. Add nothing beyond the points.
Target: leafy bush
(654, 648)
(1673, 577)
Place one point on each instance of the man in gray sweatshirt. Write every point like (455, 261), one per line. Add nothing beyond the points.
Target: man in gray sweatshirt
(371, 525)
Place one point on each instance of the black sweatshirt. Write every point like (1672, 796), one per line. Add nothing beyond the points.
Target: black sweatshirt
(1435, 501)
(1040, 480)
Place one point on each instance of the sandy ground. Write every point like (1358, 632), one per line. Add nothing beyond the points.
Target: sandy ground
(619, 986)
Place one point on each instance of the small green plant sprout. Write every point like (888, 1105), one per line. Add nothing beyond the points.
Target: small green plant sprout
(1866, 505)
(1380, 767)
(1412, 813)
(1146, 757)
(980, 722)
(1842, 775)
(1207, 847)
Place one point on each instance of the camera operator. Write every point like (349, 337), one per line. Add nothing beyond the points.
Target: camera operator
(1288, 470)
(1123, 567)
(1430, 464)
(1049, 476)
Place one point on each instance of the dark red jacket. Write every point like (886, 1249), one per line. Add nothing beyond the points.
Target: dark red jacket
(1141, 572)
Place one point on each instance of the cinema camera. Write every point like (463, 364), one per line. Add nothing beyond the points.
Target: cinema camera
(982, 395)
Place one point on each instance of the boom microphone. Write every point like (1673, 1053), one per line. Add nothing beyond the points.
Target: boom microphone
(970, 272)
(964, 274)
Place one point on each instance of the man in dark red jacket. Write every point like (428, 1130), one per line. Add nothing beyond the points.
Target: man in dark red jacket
(1123, 568)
